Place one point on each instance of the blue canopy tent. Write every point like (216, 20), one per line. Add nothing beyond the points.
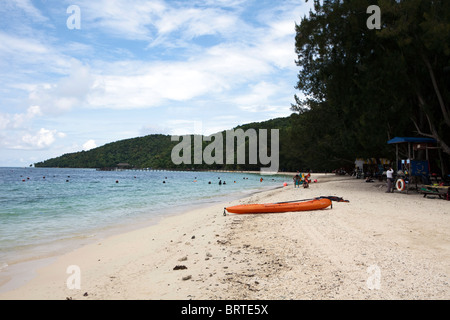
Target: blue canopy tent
(416, 168)
(420, 142)
(411, 140)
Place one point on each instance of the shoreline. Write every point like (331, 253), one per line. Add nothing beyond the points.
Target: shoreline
(18, 272)
(326, 254)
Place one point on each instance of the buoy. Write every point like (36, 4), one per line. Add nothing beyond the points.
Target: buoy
(400, 185)
(285, 184)
(117, 181)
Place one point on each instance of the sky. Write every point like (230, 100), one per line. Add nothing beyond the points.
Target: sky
(75, 75)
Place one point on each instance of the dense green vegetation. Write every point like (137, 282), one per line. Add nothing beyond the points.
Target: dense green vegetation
(358, 88)
(154, 151)
(362, 87)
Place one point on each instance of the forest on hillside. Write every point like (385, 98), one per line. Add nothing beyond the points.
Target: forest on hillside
(358, 88)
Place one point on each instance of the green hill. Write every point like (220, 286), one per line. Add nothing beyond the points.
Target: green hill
(154, 151)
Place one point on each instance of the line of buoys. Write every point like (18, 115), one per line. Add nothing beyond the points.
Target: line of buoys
(135, 177)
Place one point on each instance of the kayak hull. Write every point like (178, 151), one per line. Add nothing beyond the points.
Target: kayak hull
(316, 204)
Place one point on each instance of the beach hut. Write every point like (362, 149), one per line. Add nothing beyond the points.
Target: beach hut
(123, 166)
(411, 166)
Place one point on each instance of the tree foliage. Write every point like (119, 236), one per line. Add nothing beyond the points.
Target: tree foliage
(361, 87)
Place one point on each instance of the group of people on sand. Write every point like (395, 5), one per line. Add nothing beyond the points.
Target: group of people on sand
(302, 179)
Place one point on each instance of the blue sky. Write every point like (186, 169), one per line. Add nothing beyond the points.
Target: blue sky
(139, 67)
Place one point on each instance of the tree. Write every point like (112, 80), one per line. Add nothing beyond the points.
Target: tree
(421, 31)
(362, 87)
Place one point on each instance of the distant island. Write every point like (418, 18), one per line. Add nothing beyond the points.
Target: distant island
(154, 152)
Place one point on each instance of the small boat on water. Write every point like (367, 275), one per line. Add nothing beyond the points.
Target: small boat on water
(315, 204)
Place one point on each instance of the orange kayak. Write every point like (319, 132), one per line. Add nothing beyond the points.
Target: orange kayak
(281, 207)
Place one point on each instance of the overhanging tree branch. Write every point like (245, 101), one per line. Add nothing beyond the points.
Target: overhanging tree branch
(444, 109)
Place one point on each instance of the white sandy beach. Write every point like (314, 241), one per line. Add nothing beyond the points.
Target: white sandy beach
(377, 246)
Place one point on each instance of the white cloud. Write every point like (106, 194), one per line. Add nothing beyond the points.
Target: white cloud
(16, 45)
(24, 9)
(150, 85)
(67, 93)
(196, 22)
(181, 127)
(88, 145)
(31, 55)
(258, 93)
(19, 120)
(154, 21)
(153, 129)
(30, 10)
(123, 18)
(141, 84)
(39, 140)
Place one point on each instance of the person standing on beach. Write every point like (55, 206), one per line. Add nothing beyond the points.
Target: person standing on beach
(296, 181)
(390, 180)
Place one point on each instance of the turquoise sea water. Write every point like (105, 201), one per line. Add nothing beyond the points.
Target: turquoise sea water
(42, 209)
